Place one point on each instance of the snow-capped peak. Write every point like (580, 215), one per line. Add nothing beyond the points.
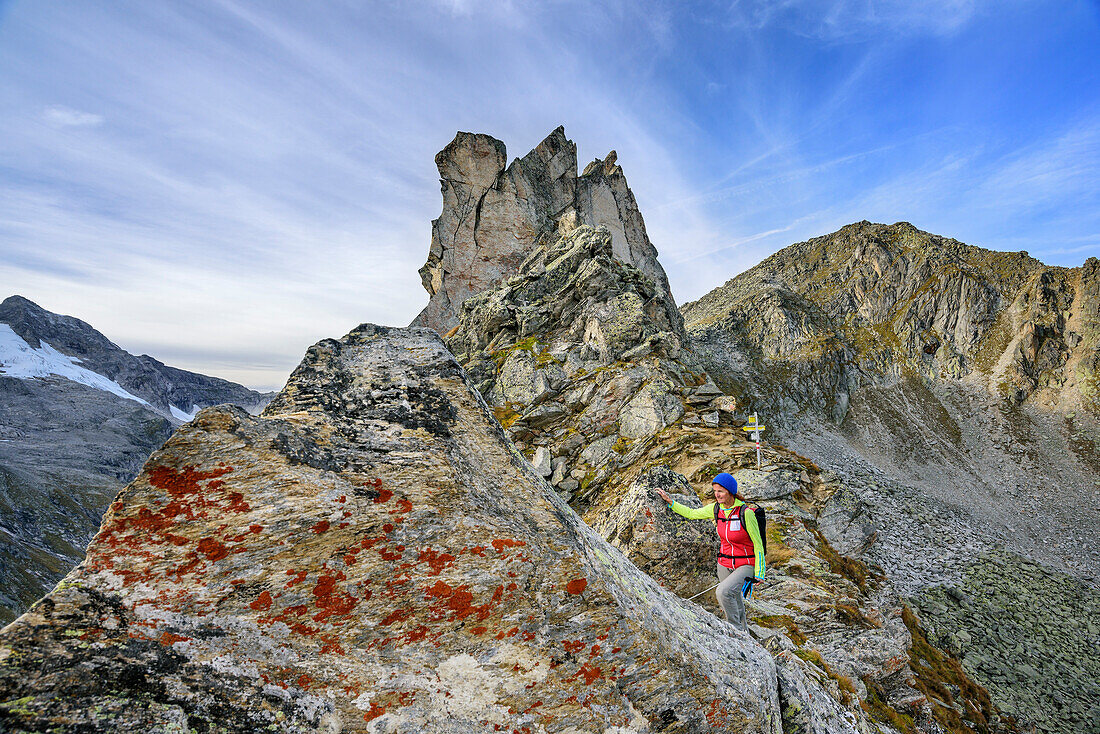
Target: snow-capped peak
(20, 359)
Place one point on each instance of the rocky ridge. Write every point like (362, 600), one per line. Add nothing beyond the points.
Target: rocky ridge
(372, 554)
(495, 213)
(583, 366)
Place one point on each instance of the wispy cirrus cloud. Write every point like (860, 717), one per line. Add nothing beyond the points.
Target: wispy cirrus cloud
(850, 20)
(58, 116)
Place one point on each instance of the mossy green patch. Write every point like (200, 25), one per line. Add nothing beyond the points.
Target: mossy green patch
(937, 674)
(784, 621)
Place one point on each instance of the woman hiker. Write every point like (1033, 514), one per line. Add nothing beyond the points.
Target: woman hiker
(741, 557)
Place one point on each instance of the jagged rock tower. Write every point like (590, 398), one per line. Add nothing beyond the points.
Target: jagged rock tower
(493, 216)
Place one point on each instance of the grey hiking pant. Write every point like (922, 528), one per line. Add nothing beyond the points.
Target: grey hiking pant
(729, 593)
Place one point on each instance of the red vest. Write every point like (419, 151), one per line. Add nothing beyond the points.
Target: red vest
(737, 548)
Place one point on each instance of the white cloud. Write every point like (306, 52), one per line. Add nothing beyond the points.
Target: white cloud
(841, 20)
(57, 116)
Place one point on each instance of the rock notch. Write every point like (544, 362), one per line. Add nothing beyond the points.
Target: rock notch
(494, 216)
(370, 554)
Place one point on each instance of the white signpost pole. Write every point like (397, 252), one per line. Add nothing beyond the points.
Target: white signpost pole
(756, 437)
(755, 428)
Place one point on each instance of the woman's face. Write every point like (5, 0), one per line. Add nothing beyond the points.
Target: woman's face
(721, 494)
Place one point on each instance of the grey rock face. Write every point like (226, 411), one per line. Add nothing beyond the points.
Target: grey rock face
(766, 485)
(653, 407)
(493, 217)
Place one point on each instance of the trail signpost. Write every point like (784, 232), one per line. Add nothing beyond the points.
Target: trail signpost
(755, 428)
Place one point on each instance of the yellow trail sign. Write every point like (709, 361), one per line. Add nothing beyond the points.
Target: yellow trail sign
(752, 428)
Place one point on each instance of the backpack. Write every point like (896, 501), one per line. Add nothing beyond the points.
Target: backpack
(761, 522)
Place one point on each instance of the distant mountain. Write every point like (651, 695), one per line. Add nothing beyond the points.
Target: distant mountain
(173, 392)
(78, 418)
(955, 392)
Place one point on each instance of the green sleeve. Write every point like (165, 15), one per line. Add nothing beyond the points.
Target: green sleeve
(749, 518)
(706, 512)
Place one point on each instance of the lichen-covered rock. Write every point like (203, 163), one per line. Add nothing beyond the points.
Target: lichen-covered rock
(371, 554)
(494, 216)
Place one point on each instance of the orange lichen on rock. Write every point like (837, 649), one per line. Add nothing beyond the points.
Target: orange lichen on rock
(576, 586)
(262, 602)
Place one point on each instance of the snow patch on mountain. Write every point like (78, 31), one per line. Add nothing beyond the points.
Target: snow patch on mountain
(20, 359)
(183, 416)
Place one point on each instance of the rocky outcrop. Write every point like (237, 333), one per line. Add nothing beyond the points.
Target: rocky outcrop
(677, 553)
(78, 418)
(495, 214)
(581, 355)
(371, 554)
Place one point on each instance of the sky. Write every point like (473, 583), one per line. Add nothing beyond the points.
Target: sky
(221, 184)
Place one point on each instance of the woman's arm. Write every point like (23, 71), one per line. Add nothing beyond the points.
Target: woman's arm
(749, 518)
(706, 512)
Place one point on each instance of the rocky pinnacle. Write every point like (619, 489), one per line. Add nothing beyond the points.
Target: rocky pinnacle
(494, 216)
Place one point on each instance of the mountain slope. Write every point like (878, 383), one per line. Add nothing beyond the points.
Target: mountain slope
(953, 391)
(78, 418)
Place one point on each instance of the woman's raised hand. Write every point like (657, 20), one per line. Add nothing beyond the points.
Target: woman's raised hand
(664, 495)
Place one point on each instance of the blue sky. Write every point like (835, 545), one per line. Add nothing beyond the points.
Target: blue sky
(221, 184)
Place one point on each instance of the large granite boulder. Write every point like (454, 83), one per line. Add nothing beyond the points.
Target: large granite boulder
(371, 554)
(494, 216)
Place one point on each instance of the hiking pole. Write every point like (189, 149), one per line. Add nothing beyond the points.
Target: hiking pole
(703, 592)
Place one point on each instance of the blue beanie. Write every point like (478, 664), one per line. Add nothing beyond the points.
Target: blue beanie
(727, 481)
